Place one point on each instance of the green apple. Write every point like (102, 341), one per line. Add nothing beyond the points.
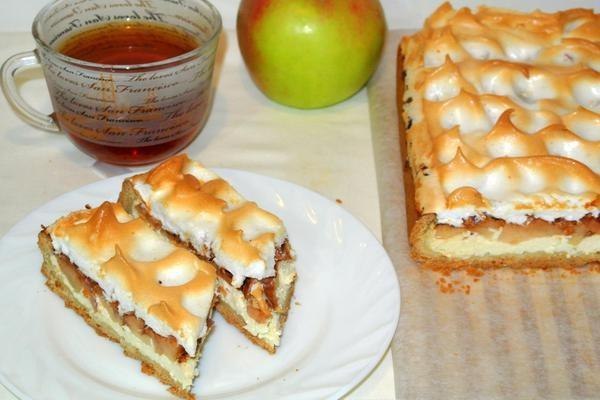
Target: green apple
(310, 53)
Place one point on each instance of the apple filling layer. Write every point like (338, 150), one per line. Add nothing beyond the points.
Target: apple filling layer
(491, 228)
(258, 307)
(493, 236)
(261, 295)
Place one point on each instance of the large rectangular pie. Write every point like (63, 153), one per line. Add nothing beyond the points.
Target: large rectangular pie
(502, 137)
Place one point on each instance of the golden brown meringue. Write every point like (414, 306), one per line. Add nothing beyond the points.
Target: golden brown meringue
(168, 287)
(503, 112)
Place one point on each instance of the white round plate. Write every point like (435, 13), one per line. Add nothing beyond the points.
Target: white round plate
(343, 314)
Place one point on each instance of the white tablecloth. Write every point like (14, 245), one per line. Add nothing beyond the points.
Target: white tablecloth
(329, 151)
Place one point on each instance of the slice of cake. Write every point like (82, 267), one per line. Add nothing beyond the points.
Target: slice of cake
(248, 245)
(502, 138)
(133, 286)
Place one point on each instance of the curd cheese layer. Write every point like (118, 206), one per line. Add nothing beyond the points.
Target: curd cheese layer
(503, 115)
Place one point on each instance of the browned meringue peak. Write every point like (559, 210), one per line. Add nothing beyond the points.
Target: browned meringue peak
(571, 52)
(441, 16)
(170, 288)
(464, 21)
(492, 33)
(466, 196)
(520, 46)
(504, 78)
(476, 113)
(444, 82)
(526, 175)
(559, 141)
(536, 24)
(210, 196)
(585, 88)
(98, 230)
(531, 121)
(167, 174)
(222, 190)
(446, 145)
(584, 26)
(533, 86)
(441, 44)
(464, 110)
(584, 123)
(505, 140)
(187, 191)
(474, 37)
(234, 228)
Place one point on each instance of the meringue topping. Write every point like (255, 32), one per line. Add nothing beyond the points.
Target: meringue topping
(167, 287)
(200, 207)
(505, 114)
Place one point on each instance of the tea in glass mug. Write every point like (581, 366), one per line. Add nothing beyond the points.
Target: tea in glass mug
(129, 80)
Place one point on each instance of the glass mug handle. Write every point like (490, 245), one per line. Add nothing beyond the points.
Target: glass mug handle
(26, 112)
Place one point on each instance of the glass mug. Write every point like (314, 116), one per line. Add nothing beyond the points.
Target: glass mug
(129, 105)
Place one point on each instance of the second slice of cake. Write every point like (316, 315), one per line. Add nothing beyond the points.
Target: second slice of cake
(248, 245)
